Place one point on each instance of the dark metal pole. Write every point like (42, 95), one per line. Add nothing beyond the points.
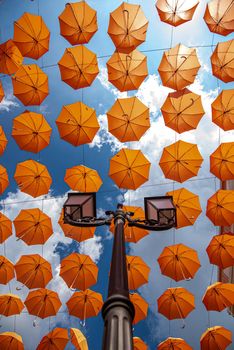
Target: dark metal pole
(118, 311)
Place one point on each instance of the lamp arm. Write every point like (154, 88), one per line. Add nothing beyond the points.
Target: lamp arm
(87, 221)
(151, 225)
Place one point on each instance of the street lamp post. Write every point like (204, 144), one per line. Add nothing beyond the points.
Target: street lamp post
(118, 311)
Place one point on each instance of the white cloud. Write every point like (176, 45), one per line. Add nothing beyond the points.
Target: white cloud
(8, 103)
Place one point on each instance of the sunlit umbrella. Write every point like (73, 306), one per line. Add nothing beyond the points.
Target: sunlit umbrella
(127, 27)
(10, 57)
(138, 271)
(180, 161)
(176, 12)
(128, 119)
(78, 271)
(222, 161)
(138, 344)
(6, 270)
(10, 304)
(1, 92)
(222, 61)
(182, 110)
(78, 339)
(218, 296)
(140, 306)
(56, 339)
(220, 208)
(83, 179)
(187, 205)
(77, 124)
(216, 337)
(176, 303)
(78, 67)
(11, 341)
(31, 35)
(178, 67)
(219, 16)
(32, 178)
(5, 227)
(223, 110)
(174, 344)
(129, 169)
(33, 271)
(4, 181)
(33, 226)
(127, 71)
(78, 22)
(221, 250)
(3, 141)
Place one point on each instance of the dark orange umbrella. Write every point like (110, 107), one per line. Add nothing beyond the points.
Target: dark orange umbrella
(222, 61)
(140, 306)
(78, 339)
(3, 141)
(6, 270)
(180, 161)
(138, 271)
(32, 178)
(138, 344)
(10, 57)
(128, 119)
(223, 110)
(4, 181)
(182, 110)
(1, 92)
(78, 22)
(174, 344)
(221, 250)
(129, 169)
(56, 339)
(31, 131)
(77, 124)
(127, 27)
(216, 337)
(176, 12)
(33, 226)
(220, 208)
(222, 161)
(127, 71)
(178, 67)
(219, 16)
(31, 35)
(83, 179)
(78, 67)
(218, 296)
(11, 341)
(10, 304)
(5, 227)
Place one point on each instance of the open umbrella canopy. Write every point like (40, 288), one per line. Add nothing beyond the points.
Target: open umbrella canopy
(129, 169)
(216, 337)
(32, 178)
(127, 71)
(176, 12)
(4, 181)
(10, 57)
(221, 250)
(174, 344)
(222, 161)
(139, 344)
(223, 110)
(11, 341)
(3, 141)
(5, 227)
(140, 306)
(222, 61)
(138, 271)
(180, 161)
(31, 35)
(218, 296)
(78, 22)
(6, 270)
(219, 16)
(33, 226)
(127, 27)
(78, 339)
(2, 94)
(56, 339)
(220, 208)
(83, 179)
(182, 110)
(10, 304)
(178, 67)
(78, 67)
(128, 119)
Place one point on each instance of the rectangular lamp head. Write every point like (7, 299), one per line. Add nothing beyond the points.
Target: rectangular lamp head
(79, 205)
(160, 209)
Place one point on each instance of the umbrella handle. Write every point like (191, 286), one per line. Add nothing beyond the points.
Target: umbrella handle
(128, 57)
(126, 20)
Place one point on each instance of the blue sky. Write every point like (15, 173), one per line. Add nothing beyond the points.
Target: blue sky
(60, 155)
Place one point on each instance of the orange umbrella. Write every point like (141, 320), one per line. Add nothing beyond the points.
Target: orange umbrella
(85, 304)
(219, 16)
(176, 12)
(218, 296)
(78, 339)
(42, 303)
(3, 141)
(33, 226)
(140, 306)
(57, 339)
(78, 22)
(77, 124)
(127, 27)
(30, 85)
(176, 303)
(178, 67)
(33, 271)
(5, 227)
(174, 344)
(127, 71)
(132, 234)
(31, 131)
(187, 205)
(83, 179)
(182, 110)
(1, 92)
(31, 35)
(222, 61)
(138, 271)
(6, 270)
(129, 169)
(138, 344)
(10, 57)
(128, 119)
(78, 67)
(222, 161)
(221, 250)
(180, 161)
(220, 208)
(4, 182)
(11, 341)
(216, 338)
(32, 178)
(10, 304)
(179, 262)
(223, 110)
(78, 271)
